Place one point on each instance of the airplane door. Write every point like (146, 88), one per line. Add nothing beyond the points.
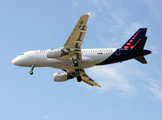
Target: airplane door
(118, 52)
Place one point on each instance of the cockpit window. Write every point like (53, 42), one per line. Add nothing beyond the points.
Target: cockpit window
(22, 54)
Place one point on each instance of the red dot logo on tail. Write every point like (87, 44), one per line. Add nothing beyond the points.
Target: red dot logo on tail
(128, 43)
(126, 47)
(131, 40)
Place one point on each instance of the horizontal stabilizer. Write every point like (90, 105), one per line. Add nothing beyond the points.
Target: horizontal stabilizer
(139, 45)
(141, 60)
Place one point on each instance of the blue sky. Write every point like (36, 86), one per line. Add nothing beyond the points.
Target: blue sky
(129, 90)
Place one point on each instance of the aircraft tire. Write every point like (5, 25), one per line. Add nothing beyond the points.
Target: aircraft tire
(31, 72)
(79, 79)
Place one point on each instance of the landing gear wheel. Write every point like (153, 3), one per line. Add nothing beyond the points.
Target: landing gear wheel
(79, 79)
(75, 62)
(31, 72)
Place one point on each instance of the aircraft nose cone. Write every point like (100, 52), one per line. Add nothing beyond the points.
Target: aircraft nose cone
(16, 61)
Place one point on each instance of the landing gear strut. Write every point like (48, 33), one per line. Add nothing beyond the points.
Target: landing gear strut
(32, 68)
(75, 62)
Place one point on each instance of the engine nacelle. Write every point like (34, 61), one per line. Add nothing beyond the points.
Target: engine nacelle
(61, 77)
(56, 53)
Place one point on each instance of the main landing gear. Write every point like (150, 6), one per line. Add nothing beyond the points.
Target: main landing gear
(75, 62)
(79, 79)
(32, 68)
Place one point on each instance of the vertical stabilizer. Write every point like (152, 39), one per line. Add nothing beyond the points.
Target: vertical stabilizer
(134, 39)
(139, 45)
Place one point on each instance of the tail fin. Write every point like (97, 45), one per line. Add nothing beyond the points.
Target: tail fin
(139, 45)
(134, 39)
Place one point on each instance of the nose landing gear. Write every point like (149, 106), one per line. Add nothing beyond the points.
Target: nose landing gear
(32, 68)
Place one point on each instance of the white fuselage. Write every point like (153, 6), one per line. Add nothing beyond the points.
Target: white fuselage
(38, 58)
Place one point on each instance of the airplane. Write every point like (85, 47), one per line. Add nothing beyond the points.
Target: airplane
(73, 60)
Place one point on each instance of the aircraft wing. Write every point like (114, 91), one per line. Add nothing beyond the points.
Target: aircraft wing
(75, 39)
(87, 79)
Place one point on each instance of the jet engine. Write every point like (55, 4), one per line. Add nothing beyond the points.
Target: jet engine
(56, 53)
(61, 77)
